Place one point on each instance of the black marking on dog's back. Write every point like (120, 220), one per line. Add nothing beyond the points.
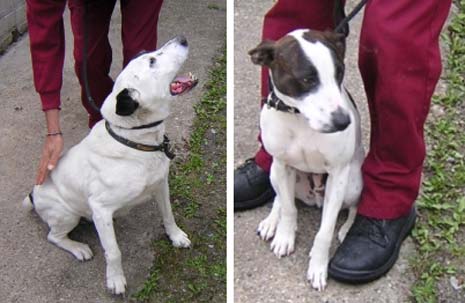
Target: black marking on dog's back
(293, 74)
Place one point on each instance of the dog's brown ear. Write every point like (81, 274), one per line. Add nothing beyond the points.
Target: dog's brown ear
(125, 104)
(337, 42)
(263, 54)
(339, 15)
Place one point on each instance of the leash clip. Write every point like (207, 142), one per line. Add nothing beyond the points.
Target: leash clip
(166, 148)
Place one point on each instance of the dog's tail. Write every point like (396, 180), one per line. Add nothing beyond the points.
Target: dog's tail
(28, 202)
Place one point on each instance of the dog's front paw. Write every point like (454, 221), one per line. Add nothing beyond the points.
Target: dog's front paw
(283, 242)
(317, 274)
(179, 238)
(267, 227)
(116, 284)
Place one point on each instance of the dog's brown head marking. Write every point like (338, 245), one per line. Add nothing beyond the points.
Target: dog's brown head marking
(293, 73)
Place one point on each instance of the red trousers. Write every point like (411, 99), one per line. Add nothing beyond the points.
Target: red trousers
(47, 42)
(400, 64)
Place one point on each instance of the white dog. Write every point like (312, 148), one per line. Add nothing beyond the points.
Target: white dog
(309, 125)
(123, 161)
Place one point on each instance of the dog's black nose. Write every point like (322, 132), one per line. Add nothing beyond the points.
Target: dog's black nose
(340, 119)
(182, 40)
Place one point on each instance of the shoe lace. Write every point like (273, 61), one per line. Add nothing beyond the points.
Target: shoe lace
(373, 229)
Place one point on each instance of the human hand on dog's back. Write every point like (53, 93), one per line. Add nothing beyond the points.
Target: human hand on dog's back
(53, 145)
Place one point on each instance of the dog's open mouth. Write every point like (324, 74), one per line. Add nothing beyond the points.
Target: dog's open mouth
(183, 84)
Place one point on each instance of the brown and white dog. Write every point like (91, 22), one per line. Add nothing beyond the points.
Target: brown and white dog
(309, 125)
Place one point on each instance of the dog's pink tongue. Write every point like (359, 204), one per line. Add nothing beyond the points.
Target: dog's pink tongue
(183, 84)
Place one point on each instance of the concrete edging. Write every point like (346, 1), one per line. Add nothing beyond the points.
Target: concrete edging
(12, 22)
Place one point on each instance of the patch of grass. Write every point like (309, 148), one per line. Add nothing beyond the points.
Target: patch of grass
(198, 195)
(213, 6)
(442, 203)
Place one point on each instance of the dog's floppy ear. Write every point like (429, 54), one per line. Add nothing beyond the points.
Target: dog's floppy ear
(339, 15)
(263, 54)
(337, 42)
(125, 104)
(338, 37)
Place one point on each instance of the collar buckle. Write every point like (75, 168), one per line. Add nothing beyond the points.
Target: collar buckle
(278, 104)
(163, 147)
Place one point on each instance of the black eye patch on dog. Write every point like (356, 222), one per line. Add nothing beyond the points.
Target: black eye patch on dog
(125, 104)
(293, 74)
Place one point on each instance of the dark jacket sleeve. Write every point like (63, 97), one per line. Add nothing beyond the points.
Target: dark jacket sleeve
(47, 42)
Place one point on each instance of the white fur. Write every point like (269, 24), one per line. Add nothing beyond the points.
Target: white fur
(100, 177)
(297, 144)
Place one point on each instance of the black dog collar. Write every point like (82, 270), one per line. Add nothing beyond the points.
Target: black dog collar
(278, 104)
(153, 124)
(164, 147)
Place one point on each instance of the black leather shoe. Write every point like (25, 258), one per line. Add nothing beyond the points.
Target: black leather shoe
(370, 248)
(252, 186)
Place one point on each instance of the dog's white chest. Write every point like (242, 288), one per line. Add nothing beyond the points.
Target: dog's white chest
(288, 137)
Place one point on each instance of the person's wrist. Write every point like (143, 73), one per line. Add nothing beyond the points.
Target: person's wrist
(52, 117)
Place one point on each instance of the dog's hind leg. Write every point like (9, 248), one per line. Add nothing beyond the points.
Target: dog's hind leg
(178, 237)
(283, 179)
(58, 235)
(28, 203)
(310, 188)
(346, 226)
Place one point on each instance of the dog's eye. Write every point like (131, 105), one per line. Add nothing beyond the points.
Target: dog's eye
(152, 61)
(309, 80)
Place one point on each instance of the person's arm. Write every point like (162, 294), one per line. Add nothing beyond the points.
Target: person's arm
(47, 43)
(53, 145)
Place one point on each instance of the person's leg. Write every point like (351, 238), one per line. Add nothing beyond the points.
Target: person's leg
(139, 26)
(252, 187)
(400, 63)
(99, 56)
(47, 44)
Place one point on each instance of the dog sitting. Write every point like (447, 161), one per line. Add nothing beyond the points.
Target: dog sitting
(309, 124)
(123, 161)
